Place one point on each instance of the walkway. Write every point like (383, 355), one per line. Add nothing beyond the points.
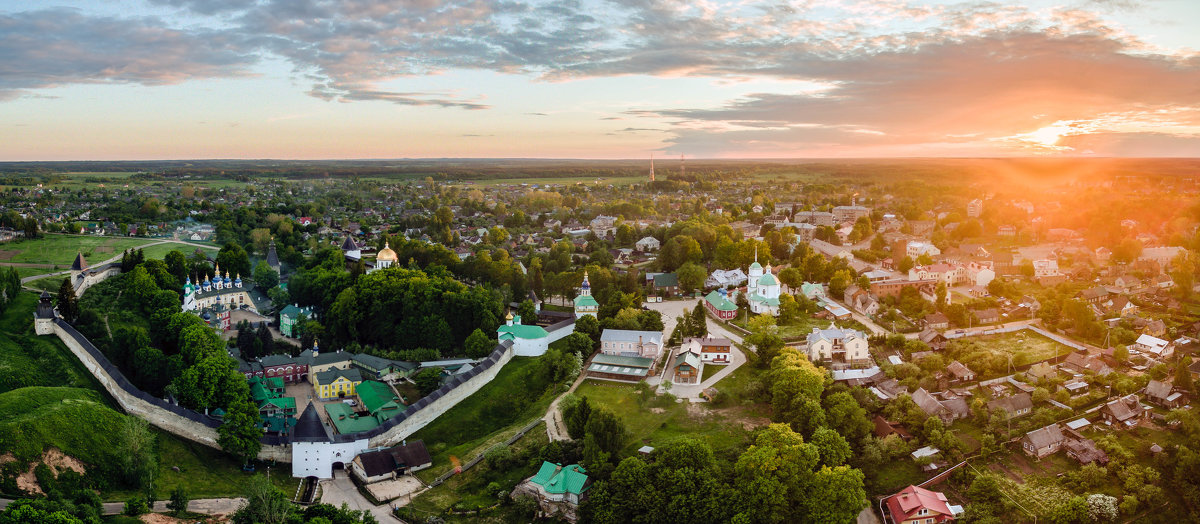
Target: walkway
(556, 429)
(341, 490)
(692, 391)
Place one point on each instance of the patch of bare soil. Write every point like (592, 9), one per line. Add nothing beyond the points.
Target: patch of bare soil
(55, 459)
(658, 411)
(1021, 462)
(1004, 471)
(59, 462)
(6, 458)
(7, 254)
(731, 415)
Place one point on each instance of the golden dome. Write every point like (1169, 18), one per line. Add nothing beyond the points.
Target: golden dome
(509, 316)
(386, 254)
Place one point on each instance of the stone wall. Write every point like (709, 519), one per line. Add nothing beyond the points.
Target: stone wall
(194, 426)
(435, 409)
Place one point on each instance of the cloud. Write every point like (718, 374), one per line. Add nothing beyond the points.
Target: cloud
(50, 48)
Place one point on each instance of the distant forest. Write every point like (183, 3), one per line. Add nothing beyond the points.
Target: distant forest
(20, 173)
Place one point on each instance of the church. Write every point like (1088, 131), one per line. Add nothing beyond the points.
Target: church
(585, 303)
(762, 289)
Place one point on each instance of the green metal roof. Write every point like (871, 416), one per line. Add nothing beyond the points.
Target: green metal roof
(621, 360)
(666, 280)
(767, 280)
(346, 421)
(523, 331)
(755, 265)
(688, 358)
(283, 403)
(586, 300)
(561, 479)
(375, 394)
(768, 301)
(720, 302)
(259, 392)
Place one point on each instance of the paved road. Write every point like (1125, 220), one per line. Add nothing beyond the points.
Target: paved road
(676, 308)
(874, 328)
(341, 490)
(205, 506)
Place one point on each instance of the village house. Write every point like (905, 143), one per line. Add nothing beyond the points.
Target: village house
(390, 463)
(712, 350)
(1013, 406)
(960, 372)
(620, 368)
(948, 411)
(724, 278)
(557, 489)
(1153, 346)
(1127, 410)
(933, 339)
(1079, 363)
(840, 347)
(687, 368)
(1085, 451)
(647, 244)
(884, 427)
(1042, 442)
(937, 321)
(916, 505)
(1162, 393)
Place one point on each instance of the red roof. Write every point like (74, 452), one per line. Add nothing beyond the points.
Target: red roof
(905, 504)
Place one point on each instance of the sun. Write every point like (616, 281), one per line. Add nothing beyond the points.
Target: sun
(1048, 136)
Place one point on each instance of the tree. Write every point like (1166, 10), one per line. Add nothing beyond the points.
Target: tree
(590, 326)
(233, 260)
(239, 432)
(428, 380)
(137, 460)
(478, 344)
(1102, 508)
(575, 412)
(1073, 511)
(179, 500)
(839, 282)
(941, 295)
(527, 312)
(905, 264)
(68, 303)
(791, 277)
(691, 277)
(1183, 377)
(265, 278)
(176, 265)
(604, 436)
(834, 449)
(265, 504)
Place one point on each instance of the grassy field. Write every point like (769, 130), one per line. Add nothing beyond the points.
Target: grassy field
(1026, 347)
(61, 249)
(50, 284)
(802, 326)
(37, 418)
(159, 251)
(710, 370)
(481, 420)
(660, 419)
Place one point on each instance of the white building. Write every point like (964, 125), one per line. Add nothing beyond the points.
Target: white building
(631, 343)
(648, 244)
(838, 345)
(975, 208)
(762, 290)
(917, 248)
(313, 453)
(529, 341)
(1045, 267)
(726, 277)
(979, 274)
(1154, 346)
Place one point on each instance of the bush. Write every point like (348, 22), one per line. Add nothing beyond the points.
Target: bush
(136, 506)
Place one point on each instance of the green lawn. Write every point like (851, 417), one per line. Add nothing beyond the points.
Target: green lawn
(34, 271)
(709, 371)
(660, 419)
(802, 326)
(1026, 347)
(482, 419)
(159, 251)
(50, 284)
(61, 249)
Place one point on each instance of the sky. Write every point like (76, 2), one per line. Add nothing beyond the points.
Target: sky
(330, 79)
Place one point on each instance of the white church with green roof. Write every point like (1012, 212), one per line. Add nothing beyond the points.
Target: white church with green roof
(585, 303)
(530, 340)
(762, 289)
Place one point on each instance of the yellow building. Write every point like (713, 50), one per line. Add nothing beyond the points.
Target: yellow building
(336, 383)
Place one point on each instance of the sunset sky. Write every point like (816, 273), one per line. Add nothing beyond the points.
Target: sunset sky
(159, 79)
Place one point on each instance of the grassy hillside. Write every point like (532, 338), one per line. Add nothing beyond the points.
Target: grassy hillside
(488, 416)
(34, 419)
(29, 360)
